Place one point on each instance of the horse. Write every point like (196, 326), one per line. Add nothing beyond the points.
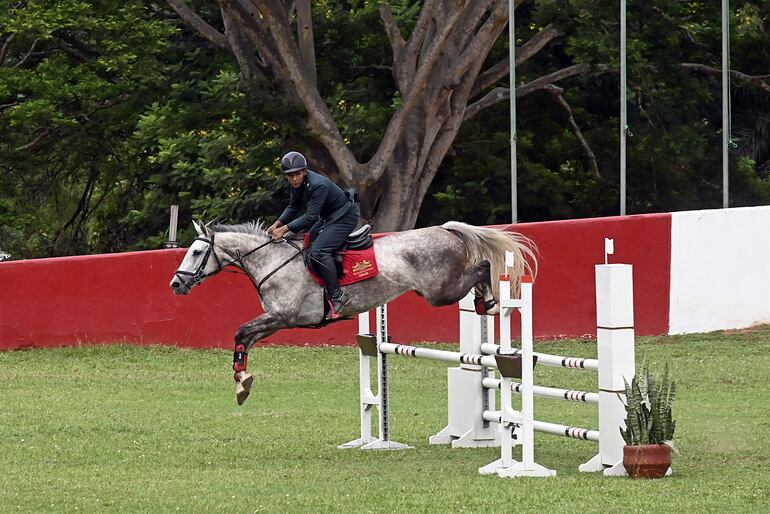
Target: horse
(440, 263)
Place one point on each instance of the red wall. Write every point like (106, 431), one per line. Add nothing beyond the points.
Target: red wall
(125, 297)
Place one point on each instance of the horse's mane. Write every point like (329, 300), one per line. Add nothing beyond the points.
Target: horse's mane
(256, 228)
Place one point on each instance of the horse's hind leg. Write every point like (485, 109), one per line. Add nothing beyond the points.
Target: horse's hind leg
(484, 302)
(248, 334)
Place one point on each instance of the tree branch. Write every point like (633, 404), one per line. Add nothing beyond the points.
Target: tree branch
(74, 52)
(305, 36)
(378, 163)
(406, 67)
(35, 141)
(29, 52)
(754, 80)
(391, 29)
(523, 54)
(558, 94)
(256, 33)
(241, 48)
(483, 40)
(320, 120)
(6, 45)
(203, 28)
(501, 94)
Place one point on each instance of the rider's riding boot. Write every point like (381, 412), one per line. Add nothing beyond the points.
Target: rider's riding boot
(337, 300)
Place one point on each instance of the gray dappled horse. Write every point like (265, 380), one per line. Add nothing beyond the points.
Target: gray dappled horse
(439, 263)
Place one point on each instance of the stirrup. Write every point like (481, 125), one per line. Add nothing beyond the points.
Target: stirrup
(341, 302)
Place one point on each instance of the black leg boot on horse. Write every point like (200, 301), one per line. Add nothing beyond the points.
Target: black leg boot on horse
(484, 301)
(242, 377)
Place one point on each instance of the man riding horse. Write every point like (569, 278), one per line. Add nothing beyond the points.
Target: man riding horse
(330, 216)
(440, 263)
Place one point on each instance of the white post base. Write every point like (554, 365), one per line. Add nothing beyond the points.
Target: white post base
(357, 443)
(518, 469)
(469, 439)
(616, 470)
(593, 465)
(385, 445)
(443, 437)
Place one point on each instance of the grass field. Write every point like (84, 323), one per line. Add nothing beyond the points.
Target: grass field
(146, 429)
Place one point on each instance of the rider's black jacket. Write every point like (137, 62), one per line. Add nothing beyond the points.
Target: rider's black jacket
(324, 199)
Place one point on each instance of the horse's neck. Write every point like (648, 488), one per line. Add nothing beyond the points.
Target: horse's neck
(258, 262)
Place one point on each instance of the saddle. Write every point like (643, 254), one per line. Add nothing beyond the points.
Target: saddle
(355, 260)
(360, 239)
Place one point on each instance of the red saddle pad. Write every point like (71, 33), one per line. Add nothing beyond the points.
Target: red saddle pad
(357, 265)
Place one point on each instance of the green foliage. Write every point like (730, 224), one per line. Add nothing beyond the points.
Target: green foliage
(202, 148)
(72, 82)
(110, 111)
(649, 399)
(673, 158)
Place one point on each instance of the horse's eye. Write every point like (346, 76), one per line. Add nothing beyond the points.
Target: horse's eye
(196, 253)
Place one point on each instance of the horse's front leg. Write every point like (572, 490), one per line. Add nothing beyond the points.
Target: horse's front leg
(248, 334)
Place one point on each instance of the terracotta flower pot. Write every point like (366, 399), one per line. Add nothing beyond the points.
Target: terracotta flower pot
(647, 460)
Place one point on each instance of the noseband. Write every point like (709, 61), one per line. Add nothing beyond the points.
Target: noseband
(198, 275)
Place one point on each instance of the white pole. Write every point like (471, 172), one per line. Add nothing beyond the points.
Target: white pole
(173, 223)
(506, 430)
(365, 382)
(623, 118)
(382, 365)
(512, 89)
(725, 103)
(527, 379)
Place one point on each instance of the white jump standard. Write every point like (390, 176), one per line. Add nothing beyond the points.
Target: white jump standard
(473, 420)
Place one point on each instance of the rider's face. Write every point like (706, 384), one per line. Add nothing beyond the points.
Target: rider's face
(295, 178)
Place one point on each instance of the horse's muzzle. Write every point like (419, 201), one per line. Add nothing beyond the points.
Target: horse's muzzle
(179, 287)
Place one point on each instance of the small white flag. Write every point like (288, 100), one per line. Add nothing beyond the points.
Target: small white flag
(609, 248)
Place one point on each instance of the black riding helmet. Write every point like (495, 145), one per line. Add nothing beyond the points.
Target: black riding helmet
(293, 161)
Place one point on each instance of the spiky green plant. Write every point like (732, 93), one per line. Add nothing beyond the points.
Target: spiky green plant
(648, 408)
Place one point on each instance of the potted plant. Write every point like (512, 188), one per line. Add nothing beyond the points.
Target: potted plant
(649, 424)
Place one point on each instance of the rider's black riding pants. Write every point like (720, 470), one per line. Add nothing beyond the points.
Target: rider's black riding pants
(326, 243)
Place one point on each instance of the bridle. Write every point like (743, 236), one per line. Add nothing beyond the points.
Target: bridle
(198, 275)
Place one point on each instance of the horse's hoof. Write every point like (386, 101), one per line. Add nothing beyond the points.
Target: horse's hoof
(494, 311)
(243, 388)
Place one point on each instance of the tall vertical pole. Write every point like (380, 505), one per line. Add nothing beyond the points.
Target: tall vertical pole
(623, 119)
(172, 226)
(527, 377)
(512, 89)
(725, 102)
(382, 365)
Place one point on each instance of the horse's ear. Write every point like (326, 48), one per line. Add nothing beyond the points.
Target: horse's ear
(207, 228)
(198, 228)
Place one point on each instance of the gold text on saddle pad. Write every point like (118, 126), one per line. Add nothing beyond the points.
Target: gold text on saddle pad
(361, 267)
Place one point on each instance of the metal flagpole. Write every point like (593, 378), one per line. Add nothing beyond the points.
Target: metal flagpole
(725, 102)
(512, 89)
(623, 119)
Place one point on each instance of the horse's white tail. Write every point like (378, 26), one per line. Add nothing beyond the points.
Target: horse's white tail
(490, 244)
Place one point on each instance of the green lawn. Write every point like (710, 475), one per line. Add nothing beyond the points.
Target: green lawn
(124, 428)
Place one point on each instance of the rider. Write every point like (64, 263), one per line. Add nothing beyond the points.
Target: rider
(330, 217)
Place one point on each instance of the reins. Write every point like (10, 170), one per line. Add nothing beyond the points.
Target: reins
(198, 275)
